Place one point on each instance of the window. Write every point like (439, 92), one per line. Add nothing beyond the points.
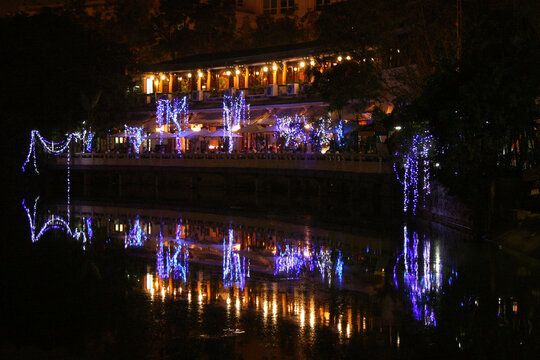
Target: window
(270, 7)
(287, 6)
(321, 4)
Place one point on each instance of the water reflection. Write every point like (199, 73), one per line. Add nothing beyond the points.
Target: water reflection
(83, 232)
(265, 282)
(422, 276)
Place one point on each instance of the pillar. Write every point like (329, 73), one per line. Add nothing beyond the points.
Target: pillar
(274, 73)
(208, 80)
(199, 81)
(236, 79)
(171, 83)
(284, 74)
(246, 78)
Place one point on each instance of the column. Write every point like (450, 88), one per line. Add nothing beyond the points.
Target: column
(199, 80)
(284, 74)
(236, 79)
(274, 73)
(171, 79)
(208, 80)
(246, 78)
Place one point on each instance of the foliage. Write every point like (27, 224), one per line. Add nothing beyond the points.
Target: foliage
(347, 81)
(482, 110)
(48, 61)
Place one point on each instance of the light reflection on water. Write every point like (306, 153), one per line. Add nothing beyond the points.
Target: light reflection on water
(277, 276)
(305, 277)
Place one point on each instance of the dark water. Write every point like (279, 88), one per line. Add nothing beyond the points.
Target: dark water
(106, 280)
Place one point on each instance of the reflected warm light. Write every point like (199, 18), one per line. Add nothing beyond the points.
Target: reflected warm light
(162, 77)
(236, 128)
(237, 72)
(228, 73)
(339, 58)
(274, 67)
(265, 69)
(312, 63)
(149, 281)
(302, 64)
(200, 74)
(196, 128)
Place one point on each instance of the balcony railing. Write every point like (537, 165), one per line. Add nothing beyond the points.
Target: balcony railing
(346, 162)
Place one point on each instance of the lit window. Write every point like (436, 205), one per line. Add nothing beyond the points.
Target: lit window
(119, 227)
(270, 7)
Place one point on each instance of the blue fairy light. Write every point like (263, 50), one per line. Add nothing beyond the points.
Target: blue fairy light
(235, 112)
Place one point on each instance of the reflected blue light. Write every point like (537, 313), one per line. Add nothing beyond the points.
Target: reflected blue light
(52, 222)
(339, 267)
(422, 276)
(172, 259)
(136, 235)
(234, 266)
(293, 261)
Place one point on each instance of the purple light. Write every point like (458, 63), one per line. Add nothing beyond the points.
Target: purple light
(235, 112)
(417, 171)
(234, 266)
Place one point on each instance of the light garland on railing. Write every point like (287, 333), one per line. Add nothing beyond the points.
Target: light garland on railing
(417, 171)
(235, 112)
(56, 222)
(53, 148)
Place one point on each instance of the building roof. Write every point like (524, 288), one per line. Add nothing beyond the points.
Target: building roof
(241, 57)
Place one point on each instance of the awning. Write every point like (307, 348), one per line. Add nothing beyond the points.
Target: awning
(250, 129)
(222, 133)
(162, 135)
(316, 112)
(266, 130)
(261, 117)
(292, 111)
(200, 133)
(207, 117)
